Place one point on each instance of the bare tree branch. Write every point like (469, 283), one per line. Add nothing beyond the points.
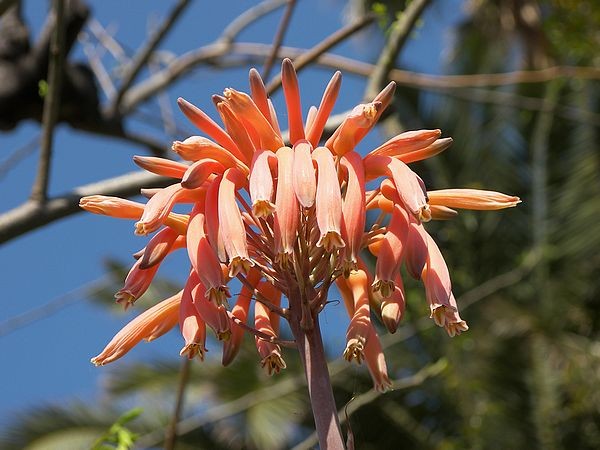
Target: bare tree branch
(32, 215)
(400, 31)
(248, 17)
(327, 43)
(283, 25)
(142, 56)
(51, 103)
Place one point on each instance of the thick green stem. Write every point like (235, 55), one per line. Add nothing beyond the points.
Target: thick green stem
(312, 354)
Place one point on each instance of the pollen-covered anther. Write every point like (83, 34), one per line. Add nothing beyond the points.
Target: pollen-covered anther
(190, 351)
(438, 314)
(384, 287)
(218, 295)
(238, 265)
(273, 363)
(425, 213)
(456, 328)
(355, 350)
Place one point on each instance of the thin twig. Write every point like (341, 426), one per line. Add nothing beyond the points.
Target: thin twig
(32, 215)
(142, 56)
(330, 41)
(105, 38)
(94, 58)
(22, 152)
(53, 306)
(39, 192)
(184, 376)
(248, 17)
(283, 25)
(399, 33)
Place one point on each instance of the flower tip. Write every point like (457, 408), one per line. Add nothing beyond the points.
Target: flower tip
(355, 350)
(96, 361)
(273, 363)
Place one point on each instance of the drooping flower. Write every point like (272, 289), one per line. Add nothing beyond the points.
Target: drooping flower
(287, 220)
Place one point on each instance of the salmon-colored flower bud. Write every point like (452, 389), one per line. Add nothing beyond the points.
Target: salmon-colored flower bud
(214, 316)
(472, 199)
(392, 307)
(431, 150)
(439, 212)
(261, 183)
(231, 225)
(259, 93)
(270, 352)
(137, 282)
(353, 209)
(274, 121)
(345, 138)
(454, 324)
(149, 325)
(385, 97)
(374, 244)
(204, 260)
(159, 246)
(385, 204)
(158, 208)
(236, 130)
(112, 206)
(358, 330)
(169, 320)
(211, 218)
(197, 147)
(209, 126)
(193, 328)
(391, 252)
(303, 176)
(406, 142)
(314, 132)
(161, 166)
(291, 92)
(438, 288)
(232, 346)
(243, 107)
(416, 249)
(408, 185)
(286, 207)
(310, 117)
(328, 201)
(199, 171)
(375, 361)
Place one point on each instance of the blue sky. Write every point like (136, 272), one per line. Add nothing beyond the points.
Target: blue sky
(48, 361)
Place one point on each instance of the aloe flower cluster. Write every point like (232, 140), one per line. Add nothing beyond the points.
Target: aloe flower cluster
(286, 216)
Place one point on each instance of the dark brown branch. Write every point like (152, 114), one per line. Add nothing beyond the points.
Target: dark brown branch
(401, 29)
(141, 57)
(39, 191)
(327, 43)
(283, 25)
(32, 215)
(184, 376)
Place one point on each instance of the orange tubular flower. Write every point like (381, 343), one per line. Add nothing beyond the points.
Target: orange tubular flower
(287, 220)
(149, 325)
(286, 215)
(328, 201)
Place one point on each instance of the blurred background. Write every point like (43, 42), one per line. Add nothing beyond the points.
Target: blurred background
(514, 82)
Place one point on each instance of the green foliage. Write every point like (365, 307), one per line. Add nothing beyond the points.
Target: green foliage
(118, 436)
